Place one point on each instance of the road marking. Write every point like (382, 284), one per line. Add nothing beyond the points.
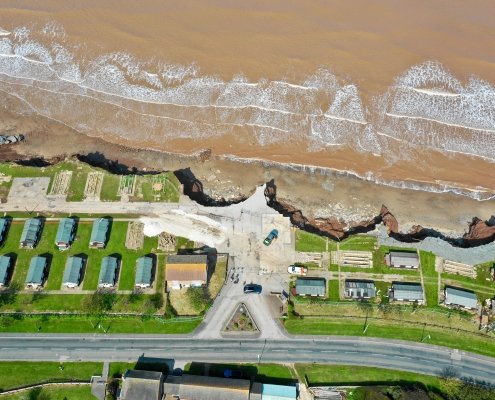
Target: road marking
(329, 351)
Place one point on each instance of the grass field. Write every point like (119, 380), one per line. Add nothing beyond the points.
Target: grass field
(104, 324)
(333, 290)
(161, 187)
(57, 392)
(20, 373)
(110, 188)
(358, 242)
(310, 242)
(430, 277)
(482, 344)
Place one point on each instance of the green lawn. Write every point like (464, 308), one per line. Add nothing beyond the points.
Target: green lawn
(430, 277)
(59, 392)
(482, 344)
(128, 269)
(104, 324)
(110, 188)
(358, 243)
(160, 187)
(21, 373)
(310, 242)
(333, 290)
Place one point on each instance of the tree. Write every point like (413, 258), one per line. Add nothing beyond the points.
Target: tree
(9, 295)
(99, 302)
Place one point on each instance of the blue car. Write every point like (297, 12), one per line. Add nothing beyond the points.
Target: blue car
(269, 239)
(252, 288)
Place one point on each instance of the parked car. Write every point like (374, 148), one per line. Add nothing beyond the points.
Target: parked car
(269, 239)
(252, 288)
(232, 373)
(296, 270)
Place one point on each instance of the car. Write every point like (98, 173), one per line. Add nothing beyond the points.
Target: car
(296, 270)
(269, 239)
(232, 373)
(252, 288)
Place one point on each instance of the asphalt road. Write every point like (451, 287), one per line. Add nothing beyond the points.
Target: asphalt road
(395, 355)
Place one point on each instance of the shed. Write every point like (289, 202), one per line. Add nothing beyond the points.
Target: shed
(186, 271)
(278, 392)
(36, 272)
(403, 259)
(65, 233)
(359, 289)
(3, 226)
(139, 385)
(73, 271)
(30, 233)
(108, 272)
(310, 286)
(192, 387)
(4, 269)
(144, 272)
(403, 291)
(99, 232)
(460, 297)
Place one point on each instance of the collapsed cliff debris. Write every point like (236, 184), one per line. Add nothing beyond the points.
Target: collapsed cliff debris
(10, 139)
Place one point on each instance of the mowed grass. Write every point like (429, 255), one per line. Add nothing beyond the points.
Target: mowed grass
(358, 242)
(110, 188)
(102, 324)
(350, 375)
(309, 242)
(482, 344)
(128, 268)
(54, 392)
(168, 192)
(20, 373)
(430, 278)
(333, 290)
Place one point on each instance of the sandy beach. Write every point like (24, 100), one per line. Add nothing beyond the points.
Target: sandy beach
(392, 96)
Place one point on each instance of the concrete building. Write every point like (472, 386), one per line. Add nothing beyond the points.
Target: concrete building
(108, 272)
(3, 227)
(98, 239)
(192, 387)
(65, 233)
(403, 291)
(359, 289)
(402, 259)
(5, 265)
(278, 392)
(184, 271)
(30, 233)
(73, 272)
(141, 385)
(36, 273)
(310, 287)
(460, 297)
(144, 272)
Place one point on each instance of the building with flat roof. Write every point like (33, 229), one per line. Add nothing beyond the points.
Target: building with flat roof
(192, 387)
(65, 233)
(402, 259)
(141, 385)
(30, 233)
(278, 392)
(4, 222)
(5, 266)
(144, 272)
(359, 289)
(403, 291)
(73, 272)
(186, 271)
(98, 239)
(460, 297)
(310, 287)
(108, 272)
(36, 273)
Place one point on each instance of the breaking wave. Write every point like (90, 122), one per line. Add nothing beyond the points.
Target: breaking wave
(122, 98)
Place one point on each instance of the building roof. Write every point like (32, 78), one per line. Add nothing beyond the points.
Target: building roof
(144, 269)
(278, 392)
(64, 231)
(407, 291)
(108, 270)
(404, 258)
(3, 225)
(360, 288)
(73, 267)
(310, 286)
(139, 385)
(36, 269)
(30, 230)
(4, 268)
(192, 387)
(99, 231)
(460, 297)
(186, 268)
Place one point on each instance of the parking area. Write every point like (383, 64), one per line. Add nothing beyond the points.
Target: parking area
(29, 189)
